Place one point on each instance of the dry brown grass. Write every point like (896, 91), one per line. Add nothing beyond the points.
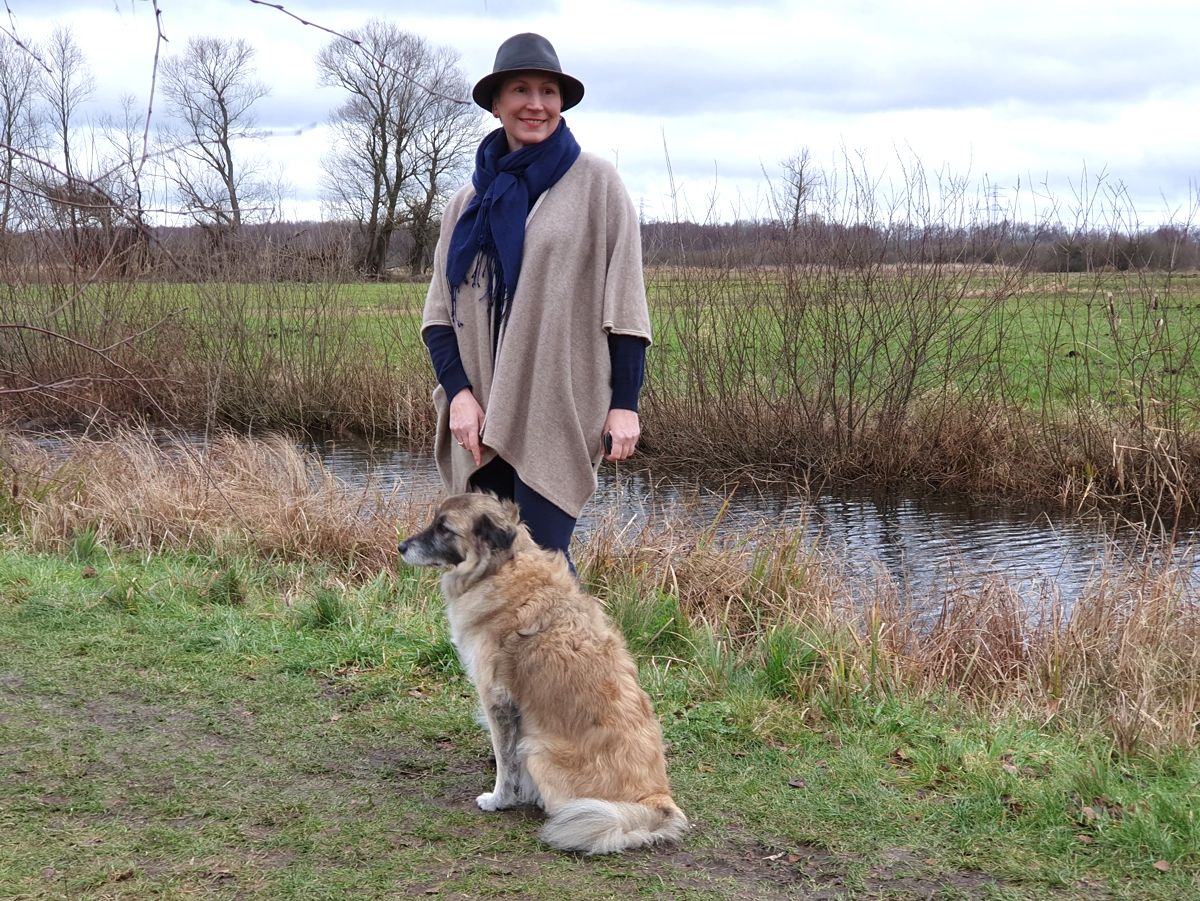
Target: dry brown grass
(1124, 658)
(1129, 651)
(235, 495)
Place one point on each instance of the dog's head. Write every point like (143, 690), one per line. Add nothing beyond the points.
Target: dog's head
(470, 530)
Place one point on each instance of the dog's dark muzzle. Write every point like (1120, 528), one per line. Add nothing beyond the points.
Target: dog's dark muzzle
(433, 547)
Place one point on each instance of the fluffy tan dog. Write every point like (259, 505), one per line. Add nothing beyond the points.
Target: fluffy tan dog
(571, 728)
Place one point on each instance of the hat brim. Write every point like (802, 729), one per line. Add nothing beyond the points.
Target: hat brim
(485, 89)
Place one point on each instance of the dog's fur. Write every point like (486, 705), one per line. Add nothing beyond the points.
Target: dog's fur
(572, 729)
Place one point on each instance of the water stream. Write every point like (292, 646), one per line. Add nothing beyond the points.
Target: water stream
(926, 544)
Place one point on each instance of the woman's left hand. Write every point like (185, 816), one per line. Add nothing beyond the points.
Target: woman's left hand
(625, 428)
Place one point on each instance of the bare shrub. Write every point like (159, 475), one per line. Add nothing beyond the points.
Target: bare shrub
(267, 354)
(888, 345)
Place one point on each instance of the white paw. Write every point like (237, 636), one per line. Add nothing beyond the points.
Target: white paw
(491, 801)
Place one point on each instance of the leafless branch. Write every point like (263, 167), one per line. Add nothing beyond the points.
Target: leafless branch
(158, 42)
(62, 384)
(134, 218)
(107, 200)
(358, 43)
(99, 352)
(12, 34)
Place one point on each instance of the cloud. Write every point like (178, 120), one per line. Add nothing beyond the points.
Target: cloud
(398, 10)
(1030, 91)
(842, 63)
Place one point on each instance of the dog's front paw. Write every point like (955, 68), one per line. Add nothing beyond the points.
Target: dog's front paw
(492, 801)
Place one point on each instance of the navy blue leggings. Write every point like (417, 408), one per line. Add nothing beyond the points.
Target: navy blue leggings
(549, 525)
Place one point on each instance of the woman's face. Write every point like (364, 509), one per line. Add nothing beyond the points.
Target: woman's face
(529, 106)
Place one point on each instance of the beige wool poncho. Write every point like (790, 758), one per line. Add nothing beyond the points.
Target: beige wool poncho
(546, 397)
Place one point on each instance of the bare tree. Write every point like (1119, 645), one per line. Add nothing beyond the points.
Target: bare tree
(442, 153)
(126, 182)
(397, 140)
(798, 183)
(19, 86)
(210, 90)
(66, 87)
(124, 136)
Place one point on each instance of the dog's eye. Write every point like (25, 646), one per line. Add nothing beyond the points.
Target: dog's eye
(444, 529)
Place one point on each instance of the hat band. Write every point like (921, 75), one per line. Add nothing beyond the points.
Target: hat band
(527, 66)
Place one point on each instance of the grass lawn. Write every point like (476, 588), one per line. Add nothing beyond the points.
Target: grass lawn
(180, 725)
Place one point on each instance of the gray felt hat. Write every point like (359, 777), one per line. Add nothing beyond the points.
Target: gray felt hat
(526, 53)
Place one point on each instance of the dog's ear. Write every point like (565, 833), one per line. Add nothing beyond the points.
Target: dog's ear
(511, 513)
(495, 535)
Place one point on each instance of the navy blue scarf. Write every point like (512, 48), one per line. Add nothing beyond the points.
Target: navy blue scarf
(492, 227)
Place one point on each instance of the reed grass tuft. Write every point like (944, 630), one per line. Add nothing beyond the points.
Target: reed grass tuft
(326, 610)
(84, 546)
(227, 588)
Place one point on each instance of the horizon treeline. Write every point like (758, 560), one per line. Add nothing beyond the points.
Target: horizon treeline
(311, 251)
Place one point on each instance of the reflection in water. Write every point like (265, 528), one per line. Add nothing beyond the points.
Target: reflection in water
(925, 544)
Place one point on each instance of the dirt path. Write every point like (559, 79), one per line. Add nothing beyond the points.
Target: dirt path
(231, 796)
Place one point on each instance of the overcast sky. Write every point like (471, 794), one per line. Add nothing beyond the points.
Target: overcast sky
(1044, 96)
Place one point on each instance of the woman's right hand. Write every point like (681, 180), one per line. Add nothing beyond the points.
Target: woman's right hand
(466, 422)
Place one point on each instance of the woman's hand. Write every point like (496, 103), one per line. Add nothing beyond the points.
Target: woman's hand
(625, 428)
(466, 422)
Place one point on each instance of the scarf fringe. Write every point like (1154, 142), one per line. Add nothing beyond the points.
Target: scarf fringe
(498, 297)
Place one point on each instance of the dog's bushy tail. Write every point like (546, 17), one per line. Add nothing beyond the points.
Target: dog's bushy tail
(602, 827)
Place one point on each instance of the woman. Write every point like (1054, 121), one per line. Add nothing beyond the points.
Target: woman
(536, 318)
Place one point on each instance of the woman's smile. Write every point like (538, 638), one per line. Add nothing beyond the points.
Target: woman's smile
(529, 106)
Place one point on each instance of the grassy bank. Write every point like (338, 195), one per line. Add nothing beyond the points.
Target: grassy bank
(215, 682)
(991, 381)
